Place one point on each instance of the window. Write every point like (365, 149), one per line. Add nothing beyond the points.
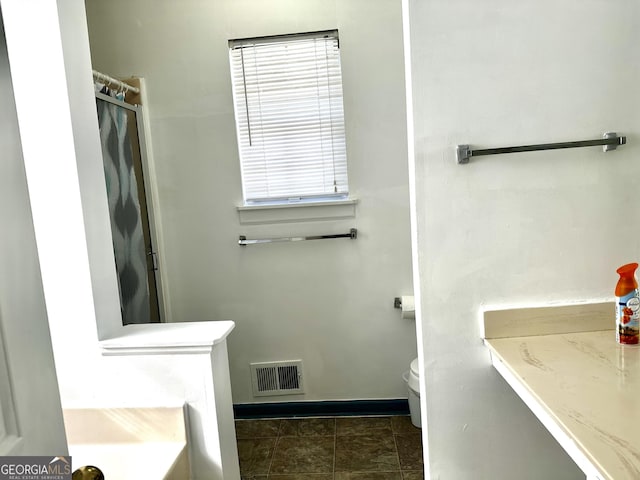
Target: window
(289, 117)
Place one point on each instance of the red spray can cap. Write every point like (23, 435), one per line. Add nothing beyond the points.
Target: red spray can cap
(627, 281)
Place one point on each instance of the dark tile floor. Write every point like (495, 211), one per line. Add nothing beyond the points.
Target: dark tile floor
(341, 448)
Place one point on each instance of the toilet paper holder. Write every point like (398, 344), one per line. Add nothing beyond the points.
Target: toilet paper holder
(406, 305)
(397, 302)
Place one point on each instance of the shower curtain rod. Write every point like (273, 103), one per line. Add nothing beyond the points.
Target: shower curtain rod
(114, 81)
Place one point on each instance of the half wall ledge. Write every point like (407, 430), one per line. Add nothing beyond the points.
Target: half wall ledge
(169, 363)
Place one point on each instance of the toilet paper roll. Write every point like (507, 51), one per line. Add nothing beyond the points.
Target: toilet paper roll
(408, 307)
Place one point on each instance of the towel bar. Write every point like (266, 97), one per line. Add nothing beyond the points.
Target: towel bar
(609, 141)
(243, 241)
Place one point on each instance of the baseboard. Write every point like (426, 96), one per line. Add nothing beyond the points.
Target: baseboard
(330, 408)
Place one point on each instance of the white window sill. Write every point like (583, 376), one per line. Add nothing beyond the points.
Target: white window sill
(297, 212)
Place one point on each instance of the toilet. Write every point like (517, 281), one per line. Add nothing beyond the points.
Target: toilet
(412, 377)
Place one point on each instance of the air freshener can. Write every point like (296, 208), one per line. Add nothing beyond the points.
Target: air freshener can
(627, 305)
(627, 318)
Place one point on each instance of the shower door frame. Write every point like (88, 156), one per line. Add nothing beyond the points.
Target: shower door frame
(153, 234)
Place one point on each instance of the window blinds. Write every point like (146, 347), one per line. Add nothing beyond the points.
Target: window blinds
(289, 116)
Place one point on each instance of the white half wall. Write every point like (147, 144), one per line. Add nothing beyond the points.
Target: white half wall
(521, 229)
(329, 303)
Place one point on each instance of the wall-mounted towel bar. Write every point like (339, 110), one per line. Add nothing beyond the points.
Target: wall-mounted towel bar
(609, 141)
(353, 234)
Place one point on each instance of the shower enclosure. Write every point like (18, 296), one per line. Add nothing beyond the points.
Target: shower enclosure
(124, 158)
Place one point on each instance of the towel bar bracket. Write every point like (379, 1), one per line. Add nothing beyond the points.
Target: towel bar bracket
(607, 147)
(463, 153)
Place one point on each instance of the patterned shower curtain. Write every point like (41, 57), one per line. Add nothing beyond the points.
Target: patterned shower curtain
(124, 210)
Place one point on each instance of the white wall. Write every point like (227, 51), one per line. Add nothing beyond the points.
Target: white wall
(522, 229)
(24, 333)
(328, 303)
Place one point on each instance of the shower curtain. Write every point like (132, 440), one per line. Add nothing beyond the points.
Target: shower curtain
(124, 210)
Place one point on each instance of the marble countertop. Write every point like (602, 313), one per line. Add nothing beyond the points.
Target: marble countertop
(585, 388)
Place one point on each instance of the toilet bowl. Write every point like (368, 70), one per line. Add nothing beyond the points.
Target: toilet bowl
(412, 377)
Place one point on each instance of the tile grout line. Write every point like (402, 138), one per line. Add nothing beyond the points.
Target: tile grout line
(275, 445)
(395, 444)
(335, 446)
